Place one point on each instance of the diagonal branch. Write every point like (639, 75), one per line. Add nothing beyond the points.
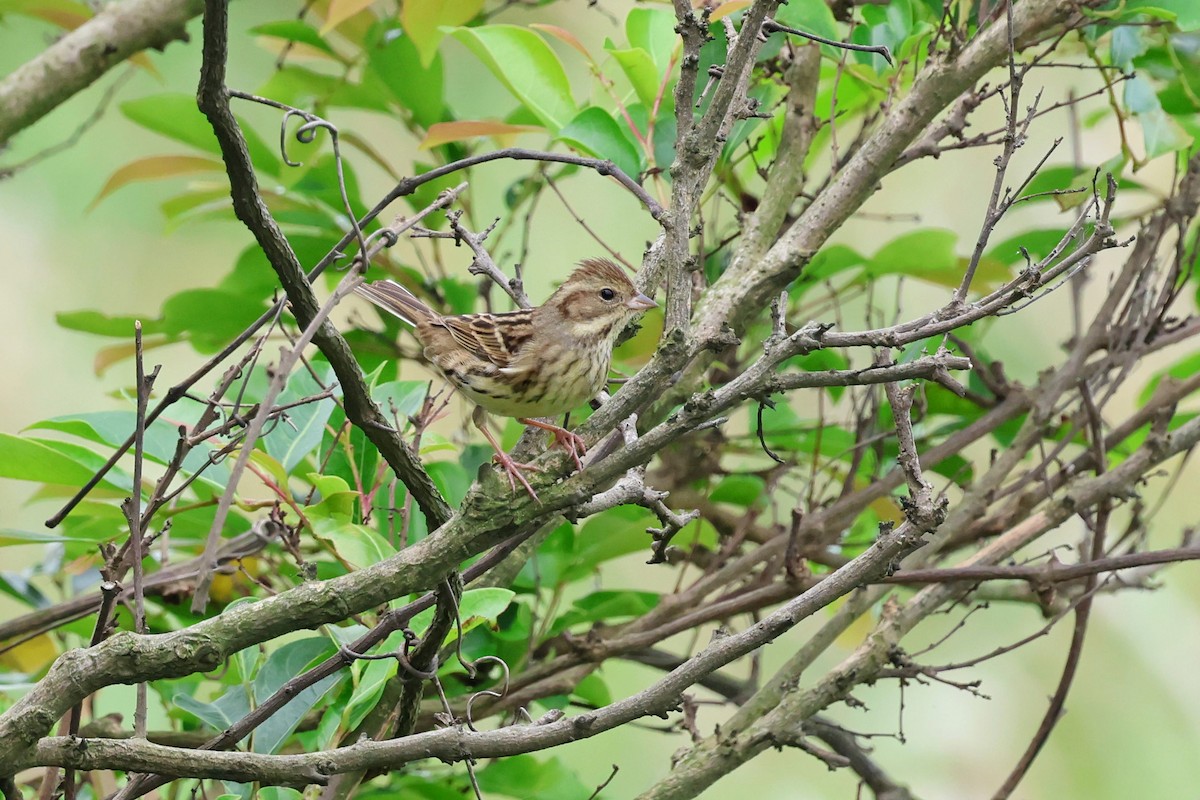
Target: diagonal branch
(213, 99)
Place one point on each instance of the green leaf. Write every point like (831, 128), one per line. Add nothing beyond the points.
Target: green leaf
(811, 16)
(917, 254)
(210, 315)
(1039, 244)
(369, 685)
(357, 545)
(174, 116)
(281, 666)
(1180, 370)
(423, 20)
(10, 537)
(831, 260)
(606, 536)
(741, 490)
(605, 605)
(593, 691)
(177, 117)
(652, 30)
(294, 30)
(1184, 13)
(476, 607)
(595, 132)
(102, 324)
(639, 68)
(277, 793)
(416, 85)
(1160, 133)
(299, 432)
(1126, 44)
(159, 441)
(525, 777)
(527, 67)
(405, 396)
(26, 459)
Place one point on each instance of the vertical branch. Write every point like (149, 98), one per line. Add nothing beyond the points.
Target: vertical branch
(1083, 610)
(133, 510)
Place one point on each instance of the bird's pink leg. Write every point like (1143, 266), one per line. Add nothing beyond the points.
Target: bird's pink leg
(512, 469)
(568, 440)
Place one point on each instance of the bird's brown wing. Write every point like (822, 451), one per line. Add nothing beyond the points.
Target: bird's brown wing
(497, 338)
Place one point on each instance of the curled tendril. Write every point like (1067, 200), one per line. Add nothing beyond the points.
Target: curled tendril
(470, 722)
(386, 234)
(305, 134)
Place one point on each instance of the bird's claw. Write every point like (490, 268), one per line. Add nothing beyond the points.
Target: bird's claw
(568, 440)
(512, 470)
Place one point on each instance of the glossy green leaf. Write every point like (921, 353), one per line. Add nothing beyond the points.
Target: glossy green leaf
(27, 459)
(159, 441)
(371, 679)
(593, 691)
(639, 69)
(595, 132)
(527, 67)
(1038, 243)
(416, 85)
(357, 545)
(811, 16)
(652, 30)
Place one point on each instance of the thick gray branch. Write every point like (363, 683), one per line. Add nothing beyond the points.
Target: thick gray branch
(80, 57)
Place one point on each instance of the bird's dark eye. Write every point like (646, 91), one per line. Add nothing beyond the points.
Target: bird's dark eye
(607, 294)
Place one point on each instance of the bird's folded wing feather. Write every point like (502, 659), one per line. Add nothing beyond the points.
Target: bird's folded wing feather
(498, 338)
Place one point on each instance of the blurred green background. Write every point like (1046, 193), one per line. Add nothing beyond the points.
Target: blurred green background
(1133, 721)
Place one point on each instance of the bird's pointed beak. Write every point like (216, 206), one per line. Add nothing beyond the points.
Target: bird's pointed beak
(639, 302)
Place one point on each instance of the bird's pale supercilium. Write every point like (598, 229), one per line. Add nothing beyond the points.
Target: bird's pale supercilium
(535, 362)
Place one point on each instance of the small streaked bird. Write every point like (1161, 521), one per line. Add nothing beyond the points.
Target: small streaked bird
(535, 362)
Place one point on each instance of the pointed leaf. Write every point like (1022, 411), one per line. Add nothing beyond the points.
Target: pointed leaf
(563, 35)
(424, 19)
(527, 67)
(442, 132)
(154, 168)
(594, 131)
(342, 10)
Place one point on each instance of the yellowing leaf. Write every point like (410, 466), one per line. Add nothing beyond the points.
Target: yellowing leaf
(107, 356)
(32, 655)
(422, 20)
(888, 509)
(66, 14)
(342, 10)
(563, 35)
(442, 132)
(725, 9)
(154, 168)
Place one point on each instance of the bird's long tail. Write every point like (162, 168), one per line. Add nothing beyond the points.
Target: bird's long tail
(395, 299)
